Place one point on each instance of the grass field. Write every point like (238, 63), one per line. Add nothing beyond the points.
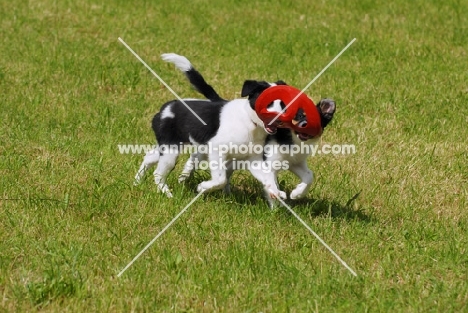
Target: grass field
(396, 211)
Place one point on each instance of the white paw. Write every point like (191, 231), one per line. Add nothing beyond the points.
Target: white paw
(183, 177)
(209, 185)
(275, 194)
(300, 191)
(139, 176)
(201, 187)
(283, 195)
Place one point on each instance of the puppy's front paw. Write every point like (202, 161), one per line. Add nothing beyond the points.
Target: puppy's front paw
(201, 187)
(275, 194)
(300, 191)
(283, 195)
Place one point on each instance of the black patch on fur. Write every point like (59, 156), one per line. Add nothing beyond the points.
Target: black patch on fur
(280, 82)
(178, 129)
(253, 89)
(283, 136)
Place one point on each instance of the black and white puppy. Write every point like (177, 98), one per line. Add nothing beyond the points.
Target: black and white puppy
(273, 143)
(228, 123)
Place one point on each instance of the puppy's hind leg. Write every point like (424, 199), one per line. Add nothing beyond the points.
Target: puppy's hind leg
(218, 174)
(306, 176)
(190, 165)
(149, 160)
(188, 168)
(166, 163)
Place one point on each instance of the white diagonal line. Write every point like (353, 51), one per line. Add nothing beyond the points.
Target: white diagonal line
(317, 236)
(313, 80)
(160, 233)
(160, 79)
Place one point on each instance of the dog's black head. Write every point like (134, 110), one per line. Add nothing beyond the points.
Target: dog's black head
(253, 89)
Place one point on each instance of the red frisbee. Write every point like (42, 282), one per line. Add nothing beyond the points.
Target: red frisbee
(286, 119)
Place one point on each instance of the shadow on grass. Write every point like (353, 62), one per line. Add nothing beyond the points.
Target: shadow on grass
(331, 208)
(251, 193)
(248, 193)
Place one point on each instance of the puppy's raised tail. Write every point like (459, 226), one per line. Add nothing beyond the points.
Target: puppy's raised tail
(194, 77)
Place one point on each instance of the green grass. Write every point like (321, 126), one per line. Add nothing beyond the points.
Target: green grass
(396, 211)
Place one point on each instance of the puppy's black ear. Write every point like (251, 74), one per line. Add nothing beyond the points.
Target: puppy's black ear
(326, 108)
(280, 82)
(252, 87)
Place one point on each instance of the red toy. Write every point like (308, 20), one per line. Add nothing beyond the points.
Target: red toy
(286, 119)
